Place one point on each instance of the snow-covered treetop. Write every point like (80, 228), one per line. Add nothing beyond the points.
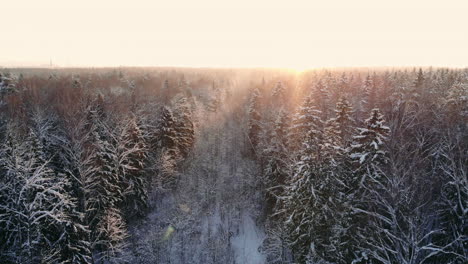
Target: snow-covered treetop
(279, 90)
(7, 84)
(367, 146)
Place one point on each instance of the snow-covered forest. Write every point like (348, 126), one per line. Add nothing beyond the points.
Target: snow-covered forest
(248, 166)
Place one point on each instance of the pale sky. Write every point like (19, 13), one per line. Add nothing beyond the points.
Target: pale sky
(236, 33)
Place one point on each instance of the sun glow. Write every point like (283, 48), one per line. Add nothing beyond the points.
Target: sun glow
(209, 33)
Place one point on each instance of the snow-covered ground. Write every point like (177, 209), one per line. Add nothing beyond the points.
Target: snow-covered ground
(211, 216)
(247, 242)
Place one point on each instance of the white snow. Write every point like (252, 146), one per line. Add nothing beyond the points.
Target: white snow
(247, 242)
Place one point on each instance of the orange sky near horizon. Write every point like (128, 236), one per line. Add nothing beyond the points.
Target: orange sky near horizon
(294, 34)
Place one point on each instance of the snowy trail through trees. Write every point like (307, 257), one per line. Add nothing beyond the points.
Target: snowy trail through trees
(213, 210)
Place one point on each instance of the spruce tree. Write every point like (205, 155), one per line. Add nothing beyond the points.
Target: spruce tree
(343, 120)
(74, 235)
(184, 127)
(103, 186)
(276, 159)
(7, 84)
(306, 124)
(255, 127)
(37, 210)
(306, 205)
(367, 147)
(321, 97)
(169, 154)
(167, 130)
(131, 156)
(278, 94)
(113, 232)
(452, 206)
(366, 178)
(415, 91)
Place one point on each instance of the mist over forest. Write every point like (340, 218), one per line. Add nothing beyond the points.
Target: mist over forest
(203, 165)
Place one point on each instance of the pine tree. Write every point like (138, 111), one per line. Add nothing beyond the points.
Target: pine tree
(367, 147)
(76, 84)
(74, 245)
(7, 86)
(456, 102)
(113, 231)
(306, 124)
(255, 128)
(183, 84)
(309, 201)
(214, 102)
(299, 201)
(419, 81)
(165, 91)
(365, 180)
(306, 207)
(333, 145)
(276, 168)
(184, 127)
(343, 120)
(321, 97)
(371, 92)
(415, 90)
(278, 94)
(167, 130)
(367, 153)
(344, 84)
(168, 155)
(453, 203)
(36, 213)
(131, 156)
(103, 186)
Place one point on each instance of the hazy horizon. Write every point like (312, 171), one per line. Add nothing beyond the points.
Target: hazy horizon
(241, 34)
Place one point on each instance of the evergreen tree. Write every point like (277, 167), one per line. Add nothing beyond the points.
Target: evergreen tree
(167, 130)
(333, 145)
(321, 97)
(456, 103)
(365, 180)
(275, 155)
(419, 81)
(184, 127)
(103, 186)
(7, 85)
(343, 122)
(415, 90)
(131, 156)
(214, 102)
(371, 92)
(76, 84)
(453, 203)
(35, 215)
(367, 153)
(306, 124)
(306, 206)
(343, 84)
(73, 237)
(255, 128)
(166, 91)
(168, 155)
(367, 147)
(278, 94)
(113, 231)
